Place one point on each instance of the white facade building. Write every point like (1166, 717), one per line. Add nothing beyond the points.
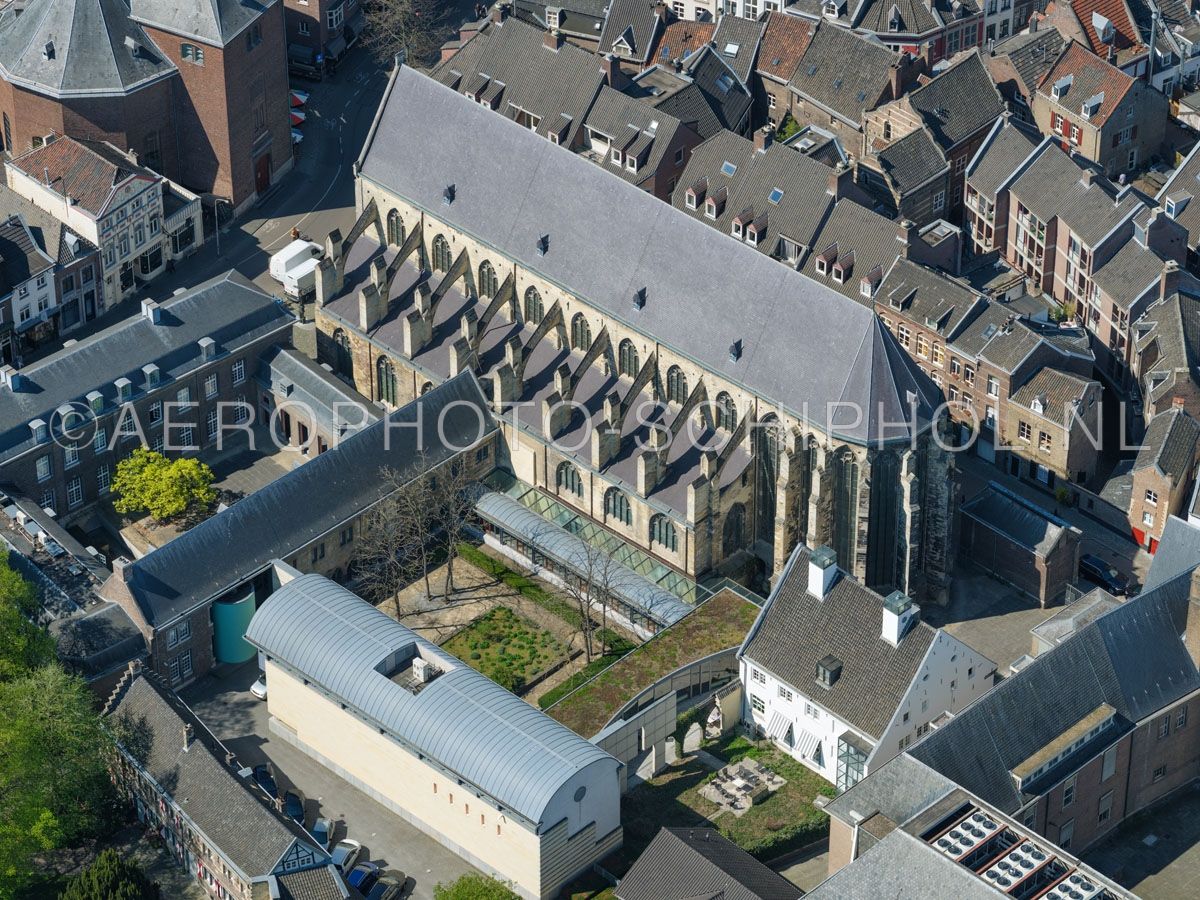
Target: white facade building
(843, 679)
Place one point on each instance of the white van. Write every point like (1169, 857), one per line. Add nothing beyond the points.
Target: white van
(292, 255)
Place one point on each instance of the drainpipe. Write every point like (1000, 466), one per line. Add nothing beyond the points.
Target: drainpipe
(1150, 61)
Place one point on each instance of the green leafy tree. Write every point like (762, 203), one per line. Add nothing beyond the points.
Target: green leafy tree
(23, 645)
(110, 877)
(474, 887)
(147, 481)
(54, 785)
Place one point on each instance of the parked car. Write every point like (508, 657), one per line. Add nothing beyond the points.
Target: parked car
(264, 777)
(293, 805)
(389, 887)
(1097, 571)
(259, 688)
(345, 855)
(322, 830)
(363, 876)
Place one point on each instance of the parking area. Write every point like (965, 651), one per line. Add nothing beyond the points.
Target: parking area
(1157, 853)
(223, 702)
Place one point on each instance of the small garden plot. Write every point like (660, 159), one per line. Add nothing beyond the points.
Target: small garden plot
(507, 648)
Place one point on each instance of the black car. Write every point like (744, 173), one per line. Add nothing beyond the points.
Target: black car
(388, 887)
(293, 805)
(264, 777)
(1097, 571)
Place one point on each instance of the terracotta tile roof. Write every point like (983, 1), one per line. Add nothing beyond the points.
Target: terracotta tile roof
(1125, 33)
(784, 42)
(680, 39)
(84, 171)
(1090, 77)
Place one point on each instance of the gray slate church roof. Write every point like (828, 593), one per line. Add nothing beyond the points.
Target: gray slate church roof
(78, 48)
(304, 504)
(215, 22)
(804, 347)
(515, 754)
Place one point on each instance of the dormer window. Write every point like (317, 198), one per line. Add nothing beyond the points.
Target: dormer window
(615, 157)
(631, 163)
(710, 208)
(1061, 87)
(690, 198)
(736, 228)
(822, 266)
(829, 670)
(752, 235)
(830, 9)
(825, 260)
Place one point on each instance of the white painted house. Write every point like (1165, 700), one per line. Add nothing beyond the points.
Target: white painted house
(844, 679)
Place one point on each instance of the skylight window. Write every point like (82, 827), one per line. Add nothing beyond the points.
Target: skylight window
(731, 50)
(776, 195)
(728, 168)
(812, 70)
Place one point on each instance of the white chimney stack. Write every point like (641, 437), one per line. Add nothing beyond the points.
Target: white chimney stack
(899, 615)
(822, 569)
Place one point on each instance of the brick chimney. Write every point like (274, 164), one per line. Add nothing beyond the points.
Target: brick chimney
(553, 39)
(763, 138)
(1168, 281)
(1088, 176)
(1191, 631)
(499, 12)
(189, 735)
(908, 231)
(614, 76)
(123, 569)
(663, 12)
(840, 177)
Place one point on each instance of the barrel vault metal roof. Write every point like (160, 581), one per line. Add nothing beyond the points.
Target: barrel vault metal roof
(515, 754)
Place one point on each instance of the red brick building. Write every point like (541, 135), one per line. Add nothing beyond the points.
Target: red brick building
(199, 95)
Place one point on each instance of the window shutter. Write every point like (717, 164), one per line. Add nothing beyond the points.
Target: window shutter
(1133, 133)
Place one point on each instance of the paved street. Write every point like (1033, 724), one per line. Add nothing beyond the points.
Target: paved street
(225, 705)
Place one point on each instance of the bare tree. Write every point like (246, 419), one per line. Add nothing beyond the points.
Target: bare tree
(393, 548)
(451, 501)
(592, 588)
(415, 27)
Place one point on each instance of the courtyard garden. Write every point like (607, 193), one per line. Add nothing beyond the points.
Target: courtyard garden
(507, 648)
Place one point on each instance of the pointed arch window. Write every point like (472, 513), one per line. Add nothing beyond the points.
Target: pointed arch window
(581, 332)
(385, 379)
(441, 254)
(726, 412)
(567, 478)
(627, 359)
(488, 284)
(676, 385)
(662, 532)
(534, 310)
(395, 228)
(616, 506)
(343, 361)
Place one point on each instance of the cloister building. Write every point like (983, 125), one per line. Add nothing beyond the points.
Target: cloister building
(682, 395)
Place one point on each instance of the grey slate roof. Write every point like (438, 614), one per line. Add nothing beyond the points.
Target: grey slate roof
(873, 239)
(93, 643)
(699, 862)
(899, 789)
(1058, 392)
(1132, 658)
(797, 215)
(20, 256)
(1007, 145)
(1183, 187)
(1173, 325)
(228, 308)
(796, 630)
(1052, 184)
(916, 16)
(737, 40)
(1010, 343)
(63, 245)
(215, 22)
(90, 54)
(912, 162)
(633, 21)
(903, 867)
(1132, 270)
(1178, 553)
(1021, 521)
(608, 239)
(304, 504)
(289, 373)
(465, 722)
(552, 84)
(622, 118)
(579, 17)
(323, 883)
(824, 78)
(927, 296)
(1032, 55)
(233, 813)
(714, 83)
(959, 102)
(1170, 445)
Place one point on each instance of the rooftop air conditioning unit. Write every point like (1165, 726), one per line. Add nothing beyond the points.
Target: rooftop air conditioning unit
(423, 670)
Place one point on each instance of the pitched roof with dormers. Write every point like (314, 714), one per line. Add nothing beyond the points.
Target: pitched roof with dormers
(1170, 445)
(847, 91)
(633, 126)
(706, 95)
(1031, 54)
(1179, 194)
(509, 64)
(799, 207)
(1056, 392)
(1092, 80)
(958, 103)
(20, 256)
(630, 28)
(784, 41)
(1079, 18)
(864, 241)
(88, 172)
(928, 296)
(912, 162)
(738, 41)
(796, 630)
(53, 236)
(1173, 327)
(78, 48)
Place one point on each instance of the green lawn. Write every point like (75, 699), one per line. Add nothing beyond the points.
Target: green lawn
(507, 648)
(785, 821)
(720, 623)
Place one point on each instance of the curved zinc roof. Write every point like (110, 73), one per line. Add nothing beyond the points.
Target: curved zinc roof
(463, 720)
